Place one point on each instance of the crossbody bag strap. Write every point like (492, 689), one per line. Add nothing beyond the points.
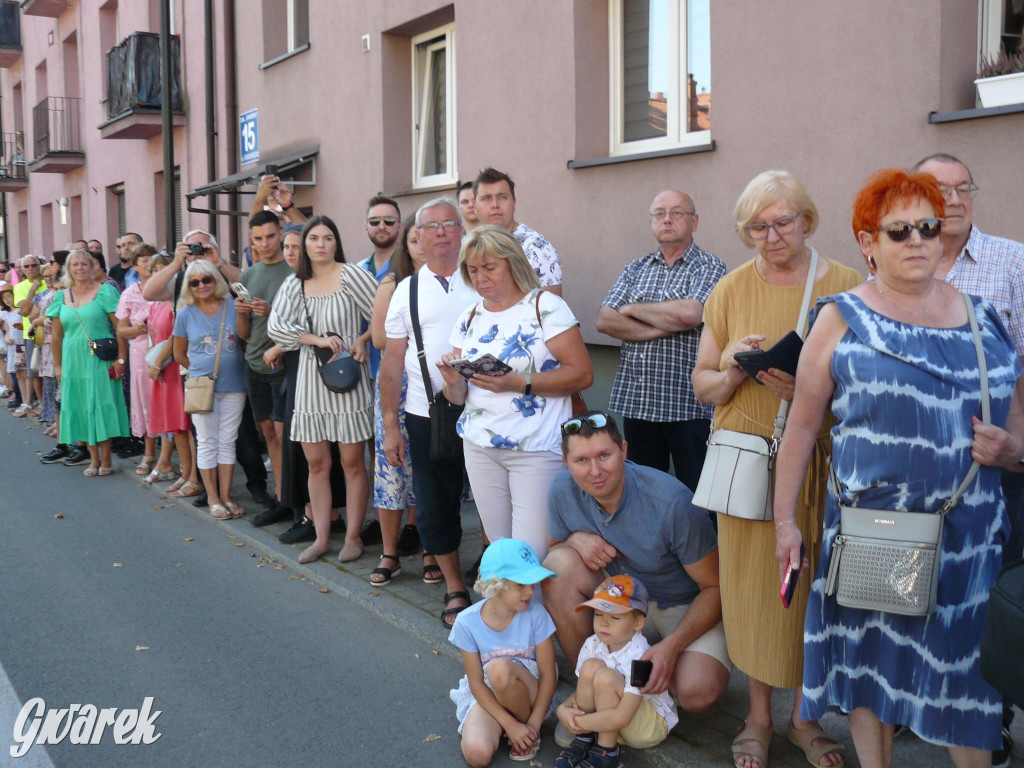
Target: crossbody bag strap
(309, 319)
(986, 407)
(801, 329)
(414, 312)
(220, 338)
(78, 316)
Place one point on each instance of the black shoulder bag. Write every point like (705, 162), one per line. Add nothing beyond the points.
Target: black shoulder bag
(105, 347)
(339, 373)
(445, 443)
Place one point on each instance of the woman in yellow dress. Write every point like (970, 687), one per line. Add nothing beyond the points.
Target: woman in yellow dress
(753, 307)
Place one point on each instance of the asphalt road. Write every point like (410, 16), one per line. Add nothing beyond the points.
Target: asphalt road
(248, 665)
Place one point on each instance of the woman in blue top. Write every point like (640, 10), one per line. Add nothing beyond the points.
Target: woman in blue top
(895, 361)
(206, 304)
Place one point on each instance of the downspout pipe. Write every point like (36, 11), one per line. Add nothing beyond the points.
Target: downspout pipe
(211, 117)
(166, 97)
(230, 100)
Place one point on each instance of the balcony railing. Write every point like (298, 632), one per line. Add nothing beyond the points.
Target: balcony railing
(12, 157)
(133, 74)
(10, 24)
(56, 125)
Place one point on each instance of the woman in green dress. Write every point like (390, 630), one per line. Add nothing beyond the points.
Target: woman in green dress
(92, 401)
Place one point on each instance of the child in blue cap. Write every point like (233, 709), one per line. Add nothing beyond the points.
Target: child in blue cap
(508, 654)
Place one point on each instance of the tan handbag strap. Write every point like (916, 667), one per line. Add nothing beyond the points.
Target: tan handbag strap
(220, 337)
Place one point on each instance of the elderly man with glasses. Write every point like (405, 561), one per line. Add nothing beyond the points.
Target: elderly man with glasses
(609, 516)
(993, 268)
(31, 284)
(656, 309)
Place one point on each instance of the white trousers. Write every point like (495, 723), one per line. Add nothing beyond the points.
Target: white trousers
(217, 430)
(510, 489)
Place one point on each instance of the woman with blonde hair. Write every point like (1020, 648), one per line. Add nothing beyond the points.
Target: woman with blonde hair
(207, 328)
(753, 307)
(92, 400)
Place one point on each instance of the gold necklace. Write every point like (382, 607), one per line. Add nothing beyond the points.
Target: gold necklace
(904, 307)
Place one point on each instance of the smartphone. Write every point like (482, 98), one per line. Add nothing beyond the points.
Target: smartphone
(640, 673)
(241, 292)
(340, 356)
(271, 170)
(792, 576)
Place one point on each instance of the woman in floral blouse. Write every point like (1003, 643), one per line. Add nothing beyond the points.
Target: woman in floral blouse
(511, 424)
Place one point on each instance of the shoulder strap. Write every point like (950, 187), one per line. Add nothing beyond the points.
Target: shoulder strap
(414, 312)
(79, 317)
(220, 337)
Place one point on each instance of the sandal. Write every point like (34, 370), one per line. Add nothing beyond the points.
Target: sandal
(432, 573)
(176, 485)
(236, 510)
(804, 738)
(220, 512)
(91, 472)
(145, 465)
(752, 742)
(187, 489)
(105, 471)
(455, 611)
(158, 477)
(386, 573)
(522, 757)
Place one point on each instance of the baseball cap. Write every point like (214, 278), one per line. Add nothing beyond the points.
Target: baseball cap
(619, 594)
(514, 560)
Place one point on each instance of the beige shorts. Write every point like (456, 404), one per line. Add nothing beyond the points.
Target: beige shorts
(646, 729)
(662, 621)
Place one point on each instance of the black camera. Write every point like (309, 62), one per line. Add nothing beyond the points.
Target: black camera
(197, 249)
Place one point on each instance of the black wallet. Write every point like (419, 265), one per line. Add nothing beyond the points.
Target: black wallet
(784, 356)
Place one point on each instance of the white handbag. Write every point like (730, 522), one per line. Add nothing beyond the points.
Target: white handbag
(736, 479)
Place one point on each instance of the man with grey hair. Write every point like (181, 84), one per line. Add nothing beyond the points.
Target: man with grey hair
(32, 283)
(441, 296)
(993, 268)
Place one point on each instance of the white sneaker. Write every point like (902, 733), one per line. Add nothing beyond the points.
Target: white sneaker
(4, 391)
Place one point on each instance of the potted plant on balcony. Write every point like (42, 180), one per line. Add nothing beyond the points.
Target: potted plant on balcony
(1001, 79)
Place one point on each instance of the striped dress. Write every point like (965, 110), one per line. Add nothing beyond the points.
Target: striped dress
(321, 415)
(903, 401)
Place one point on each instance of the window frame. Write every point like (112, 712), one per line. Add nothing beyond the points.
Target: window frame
(420, 81)
(292, 42)
(990, 28)
(676, 135)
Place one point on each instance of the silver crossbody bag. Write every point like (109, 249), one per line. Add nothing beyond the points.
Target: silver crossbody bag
(737, 476)
(889, 561)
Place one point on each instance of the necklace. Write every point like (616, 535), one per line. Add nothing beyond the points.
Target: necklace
(763, 270)
(904, 307)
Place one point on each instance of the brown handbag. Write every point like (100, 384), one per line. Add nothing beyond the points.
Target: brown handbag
(199, 389)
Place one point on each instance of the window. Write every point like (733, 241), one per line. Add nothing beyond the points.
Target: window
(285, 29)
(433, 104)
(660, 74)
(298, 24)
(1001, 25)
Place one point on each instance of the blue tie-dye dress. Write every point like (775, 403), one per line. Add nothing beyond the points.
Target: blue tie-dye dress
(903, 401)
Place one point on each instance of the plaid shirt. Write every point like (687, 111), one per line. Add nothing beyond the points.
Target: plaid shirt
(653, 380)
(993, 268)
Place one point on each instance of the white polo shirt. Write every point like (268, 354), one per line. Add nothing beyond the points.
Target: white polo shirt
(439, 309)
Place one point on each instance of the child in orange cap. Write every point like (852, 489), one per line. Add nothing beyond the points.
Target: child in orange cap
(606, 710)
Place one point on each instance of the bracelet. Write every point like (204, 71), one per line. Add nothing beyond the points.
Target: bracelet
(783, 522)
(287, 207)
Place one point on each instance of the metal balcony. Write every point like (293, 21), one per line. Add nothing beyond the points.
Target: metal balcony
(134, 93)
(10, 33)
(13, 170)
(58, 135)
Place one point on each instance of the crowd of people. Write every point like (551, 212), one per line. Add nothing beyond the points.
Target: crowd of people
(449, 358)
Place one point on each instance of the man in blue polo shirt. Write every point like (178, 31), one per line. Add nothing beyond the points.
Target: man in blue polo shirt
(609, 516)
(383, 226)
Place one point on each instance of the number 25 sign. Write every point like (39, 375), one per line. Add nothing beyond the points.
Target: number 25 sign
(249, 135)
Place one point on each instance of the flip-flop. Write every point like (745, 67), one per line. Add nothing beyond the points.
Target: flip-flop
(753, 742)
(220, 512)
(803, 738)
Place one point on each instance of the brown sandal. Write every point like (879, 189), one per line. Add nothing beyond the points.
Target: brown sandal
(752, 742)
(804, 739)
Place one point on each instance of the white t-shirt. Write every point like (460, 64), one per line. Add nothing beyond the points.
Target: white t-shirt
(438, 311)
(620, 661)
(512, 420)
(541, 253)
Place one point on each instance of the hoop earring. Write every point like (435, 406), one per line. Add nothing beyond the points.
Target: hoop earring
(872, 267)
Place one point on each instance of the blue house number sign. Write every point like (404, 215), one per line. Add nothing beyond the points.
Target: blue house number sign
(249, 138)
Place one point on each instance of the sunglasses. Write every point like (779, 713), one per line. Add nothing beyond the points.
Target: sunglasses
(200, 281)
(899, 231)
(594, 421)
(390, 221)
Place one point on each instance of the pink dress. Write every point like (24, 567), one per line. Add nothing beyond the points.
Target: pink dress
(167, 398)
(133, 307)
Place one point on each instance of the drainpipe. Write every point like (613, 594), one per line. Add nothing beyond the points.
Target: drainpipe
(230, 101)
(211, 120)
(166, 97)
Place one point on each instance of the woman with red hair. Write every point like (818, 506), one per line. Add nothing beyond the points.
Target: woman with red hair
(895, 359)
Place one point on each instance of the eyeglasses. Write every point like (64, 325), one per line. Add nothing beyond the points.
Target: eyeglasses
(675, 214)
(389, 221)
(759, 229)
(594, 421)
(899, 231)
(450, 225)
(965, 190)
(196, 282)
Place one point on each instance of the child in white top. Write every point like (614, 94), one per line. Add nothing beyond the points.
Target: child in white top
(606, 708)
(508, 655)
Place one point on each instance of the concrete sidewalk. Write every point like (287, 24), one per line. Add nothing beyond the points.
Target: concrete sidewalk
(414, 607)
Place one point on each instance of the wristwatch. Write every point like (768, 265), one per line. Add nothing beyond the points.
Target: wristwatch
(529, 386)
(120, 360)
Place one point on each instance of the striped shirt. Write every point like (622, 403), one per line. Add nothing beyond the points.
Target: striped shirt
(653, 379)
(993, 268)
